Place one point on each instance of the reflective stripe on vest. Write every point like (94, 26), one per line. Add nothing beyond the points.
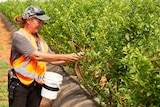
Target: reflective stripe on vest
(28, 70)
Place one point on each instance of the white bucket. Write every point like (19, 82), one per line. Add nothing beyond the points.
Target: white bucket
(52, 82)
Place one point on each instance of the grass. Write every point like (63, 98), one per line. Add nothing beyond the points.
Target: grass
(4, 66)
(1, 48)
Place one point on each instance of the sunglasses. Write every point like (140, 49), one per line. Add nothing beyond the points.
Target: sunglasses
(40, 13)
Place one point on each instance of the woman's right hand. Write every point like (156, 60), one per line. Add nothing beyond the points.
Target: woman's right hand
(72, 57)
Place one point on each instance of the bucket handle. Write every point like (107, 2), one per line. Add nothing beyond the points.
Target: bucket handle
(50, 88)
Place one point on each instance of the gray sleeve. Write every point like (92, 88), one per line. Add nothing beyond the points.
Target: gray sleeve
(22, 45)
(49, 50)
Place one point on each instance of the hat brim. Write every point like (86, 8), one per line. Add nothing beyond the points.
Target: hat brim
(42, 17)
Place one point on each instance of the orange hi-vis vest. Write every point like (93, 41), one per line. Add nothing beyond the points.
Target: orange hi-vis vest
(27, 70)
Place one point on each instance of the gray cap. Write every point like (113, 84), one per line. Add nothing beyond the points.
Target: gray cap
(33, 11)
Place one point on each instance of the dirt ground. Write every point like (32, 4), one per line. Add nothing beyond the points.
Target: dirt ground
(5, 45)
(5, 42)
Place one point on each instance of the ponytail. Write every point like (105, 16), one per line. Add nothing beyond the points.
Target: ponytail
(20, 21)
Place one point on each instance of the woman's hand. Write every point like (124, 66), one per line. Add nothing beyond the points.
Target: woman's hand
(72, 57)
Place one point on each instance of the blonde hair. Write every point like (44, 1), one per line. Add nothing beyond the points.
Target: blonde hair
(20, 21)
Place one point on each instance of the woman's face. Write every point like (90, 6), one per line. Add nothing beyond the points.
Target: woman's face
(34, 25)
